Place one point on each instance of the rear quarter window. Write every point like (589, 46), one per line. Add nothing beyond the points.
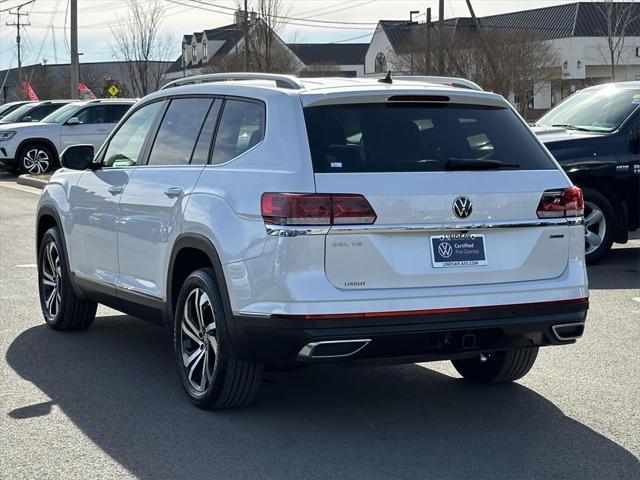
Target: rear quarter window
(417, 137)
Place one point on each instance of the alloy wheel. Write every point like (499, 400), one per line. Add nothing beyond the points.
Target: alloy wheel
(51, 280)
(36, 161)
(595, 227)
(198, 341)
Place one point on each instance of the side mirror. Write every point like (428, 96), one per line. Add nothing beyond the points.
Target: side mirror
(28, 119)
(77, 157)
(73, 121)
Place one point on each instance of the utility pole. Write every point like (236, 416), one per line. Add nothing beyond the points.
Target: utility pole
(427, 56)
(246, 36)
(441, 37)
(75, 72)
(411, 14)
(18, 24)
(483, 42)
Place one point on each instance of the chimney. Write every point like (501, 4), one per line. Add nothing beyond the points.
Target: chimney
(240, 16)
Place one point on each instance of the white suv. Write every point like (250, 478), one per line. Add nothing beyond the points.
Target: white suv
(276, 221)
(35, 147)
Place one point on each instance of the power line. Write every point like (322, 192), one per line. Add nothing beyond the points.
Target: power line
(19, 24)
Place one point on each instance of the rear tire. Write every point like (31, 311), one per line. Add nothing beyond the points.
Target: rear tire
(601, 223)
(212, 374)
(499, 367)
(61, 307)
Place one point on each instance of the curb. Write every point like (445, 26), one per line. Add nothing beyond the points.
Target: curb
(36, 181)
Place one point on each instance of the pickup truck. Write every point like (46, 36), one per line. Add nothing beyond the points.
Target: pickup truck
(595, 136)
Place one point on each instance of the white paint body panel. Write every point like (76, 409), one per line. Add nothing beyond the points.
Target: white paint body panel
(305, 274)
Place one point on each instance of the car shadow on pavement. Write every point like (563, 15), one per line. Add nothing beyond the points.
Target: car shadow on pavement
(618, 269)
(118, 384)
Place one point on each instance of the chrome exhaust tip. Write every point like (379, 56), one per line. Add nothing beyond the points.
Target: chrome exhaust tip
(568, 331)
(332, 348)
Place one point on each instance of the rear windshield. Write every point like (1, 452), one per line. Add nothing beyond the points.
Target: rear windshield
(419, 137)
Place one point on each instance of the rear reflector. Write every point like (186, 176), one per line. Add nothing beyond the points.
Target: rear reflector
(437, 311)
(561, 203)
(316, 209)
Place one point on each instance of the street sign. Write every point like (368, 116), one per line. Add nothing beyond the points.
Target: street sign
(113, 90)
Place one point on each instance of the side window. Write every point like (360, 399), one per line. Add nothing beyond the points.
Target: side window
(116, 112)
(201, 152)
(241, 128)
(126, 144)
(93, 114)
(39, 113)
(178, 133)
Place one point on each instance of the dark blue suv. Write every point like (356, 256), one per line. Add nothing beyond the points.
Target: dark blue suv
(595, 136)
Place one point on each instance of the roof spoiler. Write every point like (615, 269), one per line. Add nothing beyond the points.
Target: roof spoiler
(452, 81)
(281, 81)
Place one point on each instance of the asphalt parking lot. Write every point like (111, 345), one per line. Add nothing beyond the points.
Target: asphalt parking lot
(107, 403)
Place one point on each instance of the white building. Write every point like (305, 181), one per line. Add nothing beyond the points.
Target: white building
(575, 31)
(206, 51)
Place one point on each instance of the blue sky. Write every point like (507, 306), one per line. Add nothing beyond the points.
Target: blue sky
(46, 37)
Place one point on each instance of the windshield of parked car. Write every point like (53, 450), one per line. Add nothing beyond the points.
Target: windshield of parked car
(595, 110)
(17, 115)
(420, 137)
(7, 108)
(61, 115)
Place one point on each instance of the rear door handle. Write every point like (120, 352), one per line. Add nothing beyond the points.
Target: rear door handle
(173, 192)
(115, 190)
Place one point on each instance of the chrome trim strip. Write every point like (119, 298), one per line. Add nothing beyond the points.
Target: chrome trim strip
(294, 231)
(564, 338)
(291, 231)
(307, 351)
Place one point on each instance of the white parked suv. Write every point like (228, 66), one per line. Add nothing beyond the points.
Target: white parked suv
(275, 221)
(36, 147)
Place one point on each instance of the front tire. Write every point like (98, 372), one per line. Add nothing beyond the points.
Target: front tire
(497, 367)
(35, 159)
(212, 374)
(61, 307)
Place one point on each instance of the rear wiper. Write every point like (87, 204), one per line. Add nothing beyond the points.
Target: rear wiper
(477, 164)
(571, 127)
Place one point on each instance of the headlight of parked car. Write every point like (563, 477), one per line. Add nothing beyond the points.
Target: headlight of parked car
(6, 135)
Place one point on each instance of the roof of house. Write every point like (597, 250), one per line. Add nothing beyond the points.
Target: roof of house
(579, 19)
(230, 35)
(330, 53)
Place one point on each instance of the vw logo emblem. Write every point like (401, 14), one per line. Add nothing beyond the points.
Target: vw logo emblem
(445, 250)
(462, 207)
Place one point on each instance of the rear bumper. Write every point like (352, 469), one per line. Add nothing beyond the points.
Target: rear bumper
(409, 338)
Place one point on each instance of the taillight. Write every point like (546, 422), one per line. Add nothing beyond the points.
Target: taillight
(316, 209)
(561, 203)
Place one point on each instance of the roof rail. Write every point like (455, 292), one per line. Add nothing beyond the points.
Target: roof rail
(453, 81)
(282, 81)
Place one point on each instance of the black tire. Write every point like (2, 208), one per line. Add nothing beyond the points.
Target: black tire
(605, 205)
(36, 158)
(498, 367)
(71, 312)
(216, 378)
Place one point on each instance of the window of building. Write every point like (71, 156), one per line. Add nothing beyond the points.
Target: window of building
(381, 63)
(205, 54)
(194, 53)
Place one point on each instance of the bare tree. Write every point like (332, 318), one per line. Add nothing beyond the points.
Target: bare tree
(140, 45)
(617, 17)
(521, 63)
(266, 51)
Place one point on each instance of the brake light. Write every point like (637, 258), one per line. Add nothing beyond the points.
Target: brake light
(561, 203)
(316, 209)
